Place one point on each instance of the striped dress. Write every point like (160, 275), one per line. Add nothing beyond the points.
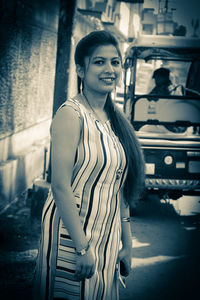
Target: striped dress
(98, 175)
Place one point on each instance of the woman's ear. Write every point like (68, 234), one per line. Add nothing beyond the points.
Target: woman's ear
(80, 71)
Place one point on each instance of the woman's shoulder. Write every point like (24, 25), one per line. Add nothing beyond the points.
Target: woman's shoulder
(71, 102)
(70, 105)
(67, 114)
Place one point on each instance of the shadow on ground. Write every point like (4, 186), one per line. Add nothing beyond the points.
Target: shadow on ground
(19, 235)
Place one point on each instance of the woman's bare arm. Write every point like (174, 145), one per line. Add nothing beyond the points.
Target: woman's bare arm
(65, 138)
(125, 253)
(126, 228)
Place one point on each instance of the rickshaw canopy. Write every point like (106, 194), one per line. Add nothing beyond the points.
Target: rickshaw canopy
(164, 47)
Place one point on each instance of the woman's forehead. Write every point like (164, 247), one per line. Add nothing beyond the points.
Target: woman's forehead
(107, 51)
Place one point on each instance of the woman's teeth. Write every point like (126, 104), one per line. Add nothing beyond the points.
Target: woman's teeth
(108, 79)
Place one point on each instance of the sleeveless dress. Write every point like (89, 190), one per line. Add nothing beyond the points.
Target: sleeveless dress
(98, 176)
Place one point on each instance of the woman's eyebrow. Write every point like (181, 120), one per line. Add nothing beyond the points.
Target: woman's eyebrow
(103, 57)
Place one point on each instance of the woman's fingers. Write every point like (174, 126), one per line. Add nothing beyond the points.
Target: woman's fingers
(120, 256)
(88, 272)
(124, 267)
(84, 272)
(85, 265)
(78, 271)
(91, 273)
(124, 259)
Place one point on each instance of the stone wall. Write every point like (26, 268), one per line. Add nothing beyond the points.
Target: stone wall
(28, 43)
(27, 58)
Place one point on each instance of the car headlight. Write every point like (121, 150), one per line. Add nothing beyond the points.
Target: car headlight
(168, 160)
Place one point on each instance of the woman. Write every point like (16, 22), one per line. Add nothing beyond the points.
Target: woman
(97, 173)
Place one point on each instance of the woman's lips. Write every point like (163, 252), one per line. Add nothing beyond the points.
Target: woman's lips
(108, 79)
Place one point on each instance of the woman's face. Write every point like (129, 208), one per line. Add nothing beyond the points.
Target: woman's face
(102, 70)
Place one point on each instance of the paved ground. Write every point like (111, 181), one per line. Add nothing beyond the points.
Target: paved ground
(166, 257)
(165, 254)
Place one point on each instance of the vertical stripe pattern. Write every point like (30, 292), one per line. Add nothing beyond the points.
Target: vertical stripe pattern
(98, 175)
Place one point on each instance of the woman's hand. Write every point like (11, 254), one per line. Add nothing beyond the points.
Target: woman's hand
(124, 258)
(125, 254)
(85, 265)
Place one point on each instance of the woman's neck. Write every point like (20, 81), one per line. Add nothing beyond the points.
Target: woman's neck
(96, 100)
(95, 104)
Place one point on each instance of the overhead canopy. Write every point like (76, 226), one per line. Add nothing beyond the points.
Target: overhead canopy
(131, 1)
(164, 47)
(166, 41)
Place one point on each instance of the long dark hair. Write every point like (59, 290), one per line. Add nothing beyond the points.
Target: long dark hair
(134, 181)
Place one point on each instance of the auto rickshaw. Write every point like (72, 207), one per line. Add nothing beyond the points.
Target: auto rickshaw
(167, 125)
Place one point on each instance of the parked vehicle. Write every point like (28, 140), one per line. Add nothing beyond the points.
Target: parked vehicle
(167, 125)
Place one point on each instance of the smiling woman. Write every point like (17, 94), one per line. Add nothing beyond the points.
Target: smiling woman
(100, 74)
(97, 174)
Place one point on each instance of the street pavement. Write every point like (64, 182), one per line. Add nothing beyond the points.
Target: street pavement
(165, 252)
(166, 256)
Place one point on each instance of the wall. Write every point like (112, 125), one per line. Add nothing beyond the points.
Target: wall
(124, 18)
(27, 68)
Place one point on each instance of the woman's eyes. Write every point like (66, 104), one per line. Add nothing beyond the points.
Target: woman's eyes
(102, 62)
(99, 62)
(116, 62)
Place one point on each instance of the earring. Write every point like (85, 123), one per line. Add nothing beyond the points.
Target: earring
(81, 86)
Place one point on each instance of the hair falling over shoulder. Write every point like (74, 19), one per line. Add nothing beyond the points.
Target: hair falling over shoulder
(134, 183)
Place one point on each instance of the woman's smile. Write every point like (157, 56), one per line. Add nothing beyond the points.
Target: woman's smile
(108, 80)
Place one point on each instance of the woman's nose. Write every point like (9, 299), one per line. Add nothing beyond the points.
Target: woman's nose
(109, 67)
